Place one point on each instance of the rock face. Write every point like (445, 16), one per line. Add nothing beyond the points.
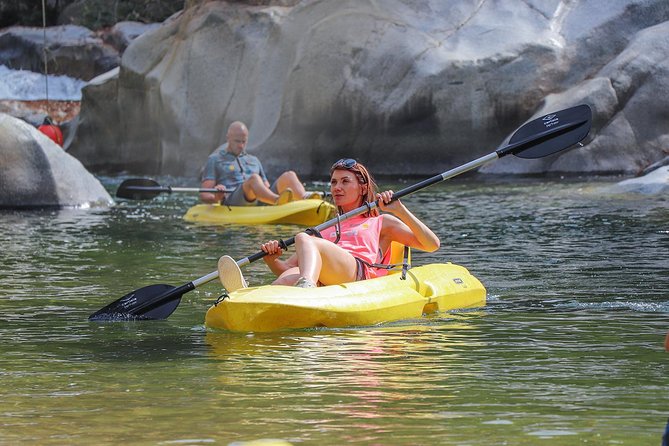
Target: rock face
(121, 34)
(72, 50)
(35, 172)
(630, 124)
(655, 182)
(408, 86)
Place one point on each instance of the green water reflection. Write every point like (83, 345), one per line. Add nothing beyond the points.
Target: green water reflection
(567, 351)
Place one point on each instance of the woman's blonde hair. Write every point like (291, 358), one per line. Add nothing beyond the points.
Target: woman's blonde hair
(364, 177)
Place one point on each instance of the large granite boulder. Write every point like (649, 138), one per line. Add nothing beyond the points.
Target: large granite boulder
(35, 172)
(409, 86)
(630, 129)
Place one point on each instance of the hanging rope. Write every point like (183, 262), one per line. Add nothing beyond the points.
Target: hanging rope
(48, 127)
(44, 50)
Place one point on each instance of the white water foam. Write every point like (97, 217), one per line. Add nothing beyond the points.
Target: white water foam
(642, 307)
(24, 85)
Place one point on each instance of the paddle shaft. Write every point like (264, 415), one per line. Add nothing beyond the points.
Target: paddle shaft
(179, 291)
(396, 196)
(170, 189)
(506, 150)
(512, 148)
(146, 189)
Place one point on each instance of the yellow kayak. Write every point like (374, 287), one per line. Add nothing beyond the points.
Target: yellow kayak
(302, 212)
(427, 289)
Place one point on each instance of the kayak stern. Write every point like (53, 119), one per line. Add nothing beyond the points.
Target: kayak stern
(310, 212)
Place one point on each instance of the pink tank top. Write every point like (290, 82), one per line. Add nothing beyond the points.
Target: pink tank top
(360, 236)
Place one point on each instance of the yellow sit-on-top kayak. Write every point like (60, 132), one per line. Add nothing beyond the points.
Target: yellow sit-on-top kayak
(310, 212)
(426, 289)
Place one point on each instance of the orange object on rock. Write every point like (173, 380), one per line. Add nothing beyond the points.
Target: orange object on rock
(52, 131)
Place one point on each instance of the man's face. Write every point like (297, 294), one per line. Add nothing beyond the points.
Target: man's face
(237, 139)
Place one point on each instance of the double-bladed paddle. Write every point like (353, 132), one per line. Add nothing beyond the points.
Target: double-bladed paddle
(146, 189)
(538, 138)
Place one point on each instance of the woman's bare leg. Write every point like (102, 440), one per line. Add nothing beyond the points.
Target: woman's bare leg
(322, 261)
(288, 277)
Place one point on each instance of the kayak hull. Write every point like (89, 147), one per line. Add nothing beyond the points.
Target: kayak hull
(302, 212)
(427, 289)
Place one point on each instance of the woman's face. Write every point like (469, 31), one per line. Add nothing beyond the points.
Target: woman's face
(346, 189)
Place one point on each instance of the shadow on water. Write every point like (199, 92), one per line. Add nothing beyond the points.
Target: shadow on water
(135, 342)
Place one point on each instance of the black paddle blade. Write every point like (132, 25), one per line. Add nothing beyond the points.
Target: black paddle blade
(139, 189)
(550, 134)
(150, 302)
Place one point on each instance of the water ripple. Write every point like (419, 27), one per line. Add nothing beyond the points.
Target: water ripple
(568, 348)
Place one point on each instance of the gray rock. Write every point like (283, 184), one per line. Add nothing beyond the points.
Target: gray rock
(663, 162)
(35, 172)
(408, 86)
(630, 128)
(97, 126)
(72, 50)
(655, 182)
(121, 34)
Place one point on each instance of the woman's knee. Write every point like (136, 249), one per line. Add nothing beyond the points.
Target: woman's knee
(302, 238)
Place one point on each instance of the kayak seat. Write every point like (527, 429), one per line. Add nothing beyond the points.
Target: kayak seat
(395, 256)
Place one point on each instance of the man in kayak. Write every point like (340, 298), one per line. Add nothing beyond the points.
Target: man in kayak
(230, 169)
(349, 251)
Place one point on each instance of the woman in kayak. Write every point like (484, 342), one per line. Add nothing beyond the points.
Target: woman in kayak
(347, 252)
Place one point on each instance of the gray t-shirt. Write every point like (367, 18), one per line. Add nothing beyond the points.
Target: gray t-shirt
(225, 168)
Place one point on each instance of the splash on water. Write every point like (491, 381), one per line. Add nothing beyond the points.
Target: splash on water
(643, 307)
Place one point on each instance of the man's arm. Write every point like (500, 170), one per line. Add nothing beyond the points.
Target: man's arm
(208, 197)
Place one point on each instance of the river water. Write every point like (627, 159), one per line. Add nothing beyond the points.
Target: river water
(568, 350)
